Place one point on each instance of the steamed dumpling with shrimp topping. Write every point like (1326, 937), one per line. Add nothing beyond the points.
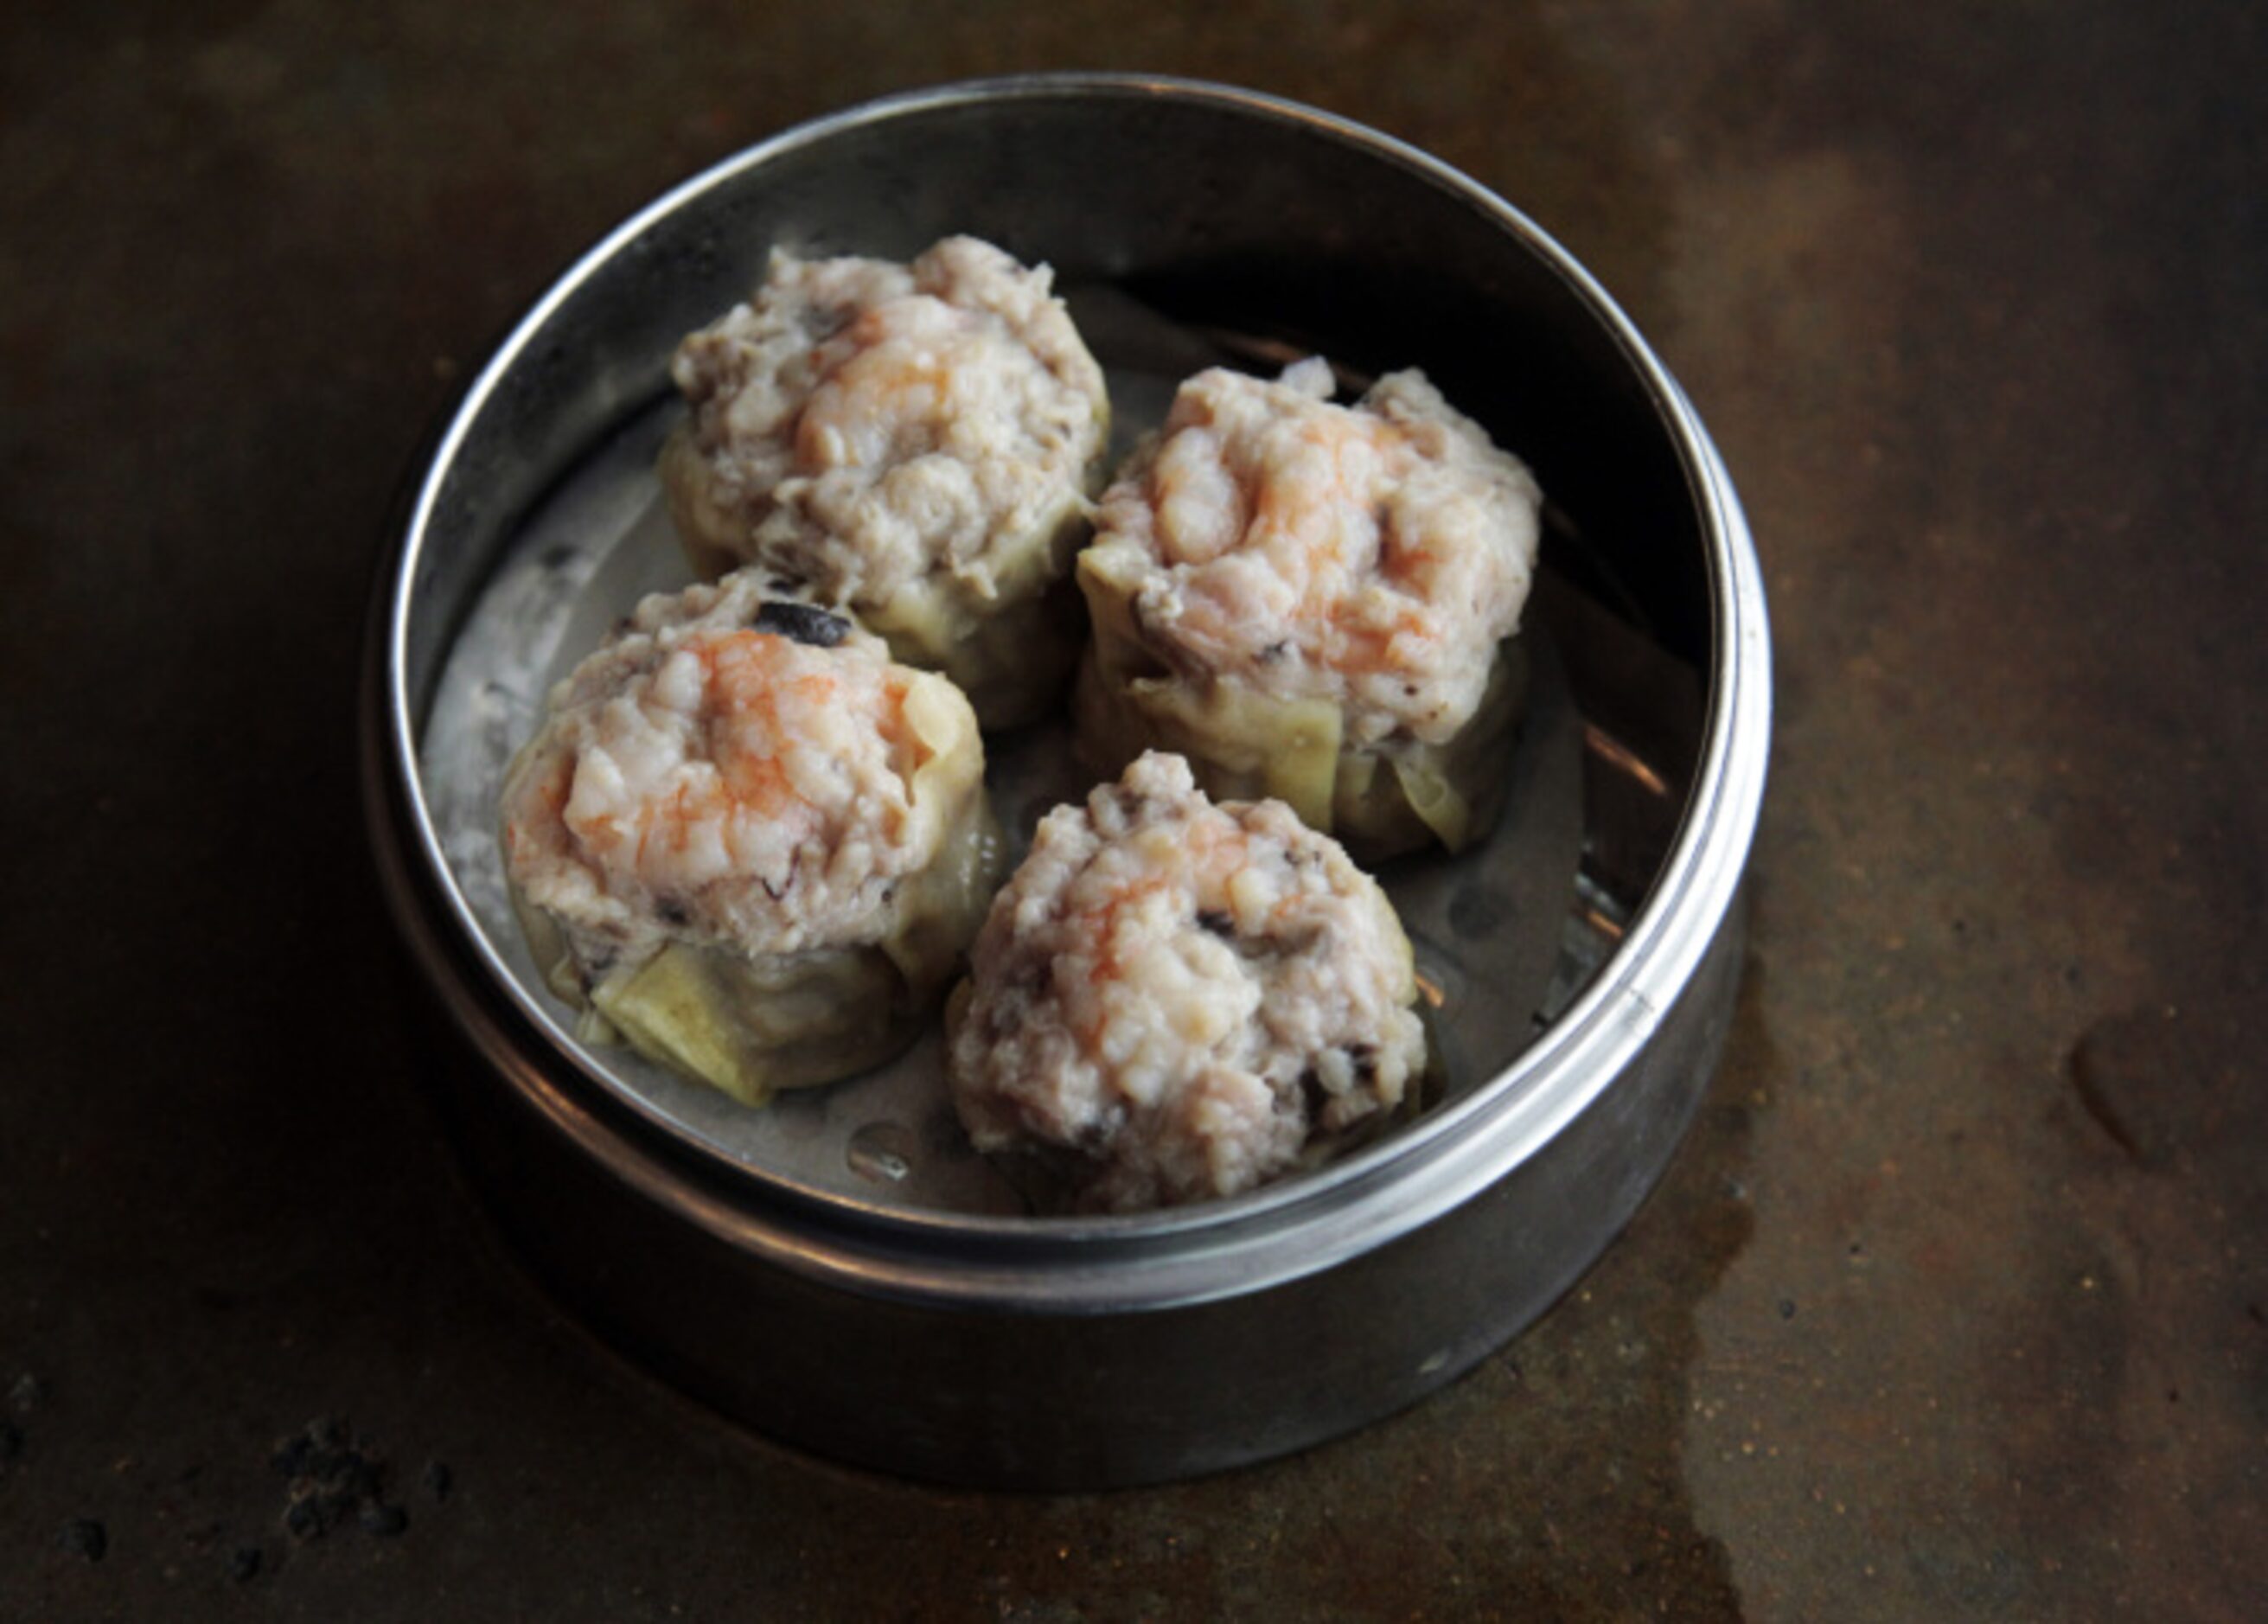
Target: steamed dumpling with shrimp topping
(918, 442)
(1316, 602)
(1172, 1000)
(748, 842)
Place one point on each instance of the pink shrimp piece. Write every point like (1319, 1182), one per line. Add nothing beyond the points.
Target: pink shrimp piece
(696, 768)
(1374, 556)
(1174, 1000)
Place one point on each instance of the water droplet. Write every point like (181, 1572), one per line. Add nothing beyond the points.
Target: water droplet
(883, 1152)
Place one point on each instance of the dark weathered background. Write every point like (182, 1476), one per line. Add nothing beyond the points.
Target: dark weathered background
(1953, 1306)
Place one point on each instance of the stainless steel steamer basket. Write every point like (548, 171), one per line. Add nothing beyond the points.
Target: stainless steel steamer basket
(970, 1344)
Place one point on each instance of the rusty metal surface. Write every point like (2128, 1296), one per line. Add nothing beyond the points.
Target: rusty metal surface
(1953, 1305)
